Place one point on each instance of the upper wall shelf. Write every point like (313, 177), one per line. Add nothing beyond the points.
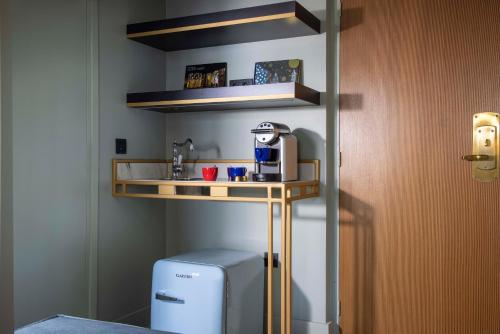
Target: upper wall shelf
(269, 22)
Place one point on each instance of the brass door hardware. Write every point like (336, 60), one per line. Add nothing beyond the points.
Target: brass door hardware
(477, 157)
(485, 155)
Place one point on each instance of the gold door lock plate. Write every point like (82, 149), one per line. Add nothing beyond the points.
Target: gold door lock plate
(485, 156)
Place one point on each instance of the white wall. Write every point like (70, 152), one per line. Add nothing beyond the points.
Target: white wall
(131, 231)
(194, 225)
(50, 158)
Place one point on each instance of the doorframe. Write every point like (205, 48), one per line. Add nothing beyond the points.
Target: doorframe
(333, 160)
(6, 228)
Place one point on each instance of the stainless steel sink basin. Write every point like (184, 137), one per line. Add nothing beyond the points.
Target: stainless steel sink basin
(183, 179)
(189, 190)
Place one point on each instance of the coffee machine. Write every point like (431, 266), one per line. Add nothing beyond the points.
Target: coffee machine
(275, 153)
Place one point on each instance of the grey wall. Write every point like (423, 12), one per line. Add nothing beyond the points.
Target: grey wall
(131, 231)
(50, 155)
(53, 195)
(194, 225)
(6, 265)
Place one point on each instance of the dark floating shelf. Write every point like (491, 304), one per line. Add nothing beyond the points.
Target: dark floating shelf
(269, 22)
(226, 98)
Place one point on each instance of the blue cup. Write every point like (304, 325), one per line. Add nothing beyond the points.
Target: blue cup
(233, 172)
(265, 154)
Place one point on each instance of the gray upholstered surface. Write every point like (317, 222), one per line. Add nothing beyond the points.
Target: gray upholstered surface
(62, 324)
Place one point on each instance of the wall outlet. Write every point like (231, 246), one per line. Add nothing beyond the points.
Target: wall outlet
(275, 260)
(121, 146)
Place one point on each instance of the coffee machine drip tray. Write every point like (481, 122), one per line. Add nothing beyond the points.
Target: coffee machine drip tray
(266, 177)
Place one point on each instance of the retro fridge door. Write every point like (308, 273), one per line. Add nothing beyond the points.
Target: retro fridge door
(188, 298)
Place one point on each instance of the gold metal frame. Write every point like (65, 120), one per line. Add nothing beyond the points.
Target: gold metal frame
(219, 191)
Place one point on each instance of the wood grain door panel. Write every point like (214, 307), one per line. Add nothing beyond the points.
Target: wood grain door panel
(419, 238)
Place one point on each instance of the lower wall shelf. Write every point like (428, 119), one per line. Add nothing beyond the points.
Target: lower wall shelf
(226, 98)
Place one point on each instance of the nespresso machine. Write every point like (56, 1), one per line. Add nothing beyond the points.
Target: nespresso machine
(275, 153)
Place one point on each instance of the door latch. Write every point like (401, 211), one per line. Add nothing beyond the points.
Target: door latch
(485, 155)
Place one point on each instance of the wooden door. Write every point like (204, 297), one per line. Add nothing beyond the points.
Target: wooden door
(419, 238)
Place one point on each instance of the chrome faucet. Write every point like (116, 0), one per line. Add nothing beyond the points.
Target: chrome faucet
(177, 167)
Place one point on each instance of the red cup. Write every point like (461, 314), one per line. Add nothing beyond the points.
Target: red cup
(210, 173)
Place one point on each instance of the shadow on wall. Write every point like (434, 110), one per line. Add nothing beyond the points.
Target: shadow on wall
(358, 247)
(300, 302)
(312, 146)
(321, 15)
(202, 149)
(299, 299)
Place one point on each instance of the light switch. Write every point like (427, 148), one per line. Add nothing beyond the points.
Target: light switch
(121, 146)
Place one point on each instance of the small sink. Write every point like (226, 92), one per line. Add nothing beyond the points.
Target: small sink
(183, 179)
(189, 189)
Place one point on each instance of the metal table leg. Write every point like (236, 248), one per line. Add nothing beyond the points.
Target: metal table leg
(284, 261)
(270, 264)
(288, 262)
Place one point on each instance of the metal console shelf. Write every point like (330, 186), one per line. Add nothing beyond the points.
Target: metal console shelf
(143, 179)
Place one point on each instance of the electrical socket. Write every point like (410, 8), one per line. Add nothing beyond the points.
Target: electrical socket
(275, 260)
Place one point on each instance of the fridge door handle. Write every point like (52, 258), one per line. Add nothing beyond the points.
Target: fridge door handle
(166, 298)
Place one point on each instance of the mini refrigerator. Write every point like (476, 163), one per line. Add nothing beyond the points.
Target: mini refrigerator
(210, 292)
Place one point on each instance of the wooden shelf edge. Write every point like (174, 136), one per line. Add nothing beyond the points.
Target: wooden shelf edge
(223, 98)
